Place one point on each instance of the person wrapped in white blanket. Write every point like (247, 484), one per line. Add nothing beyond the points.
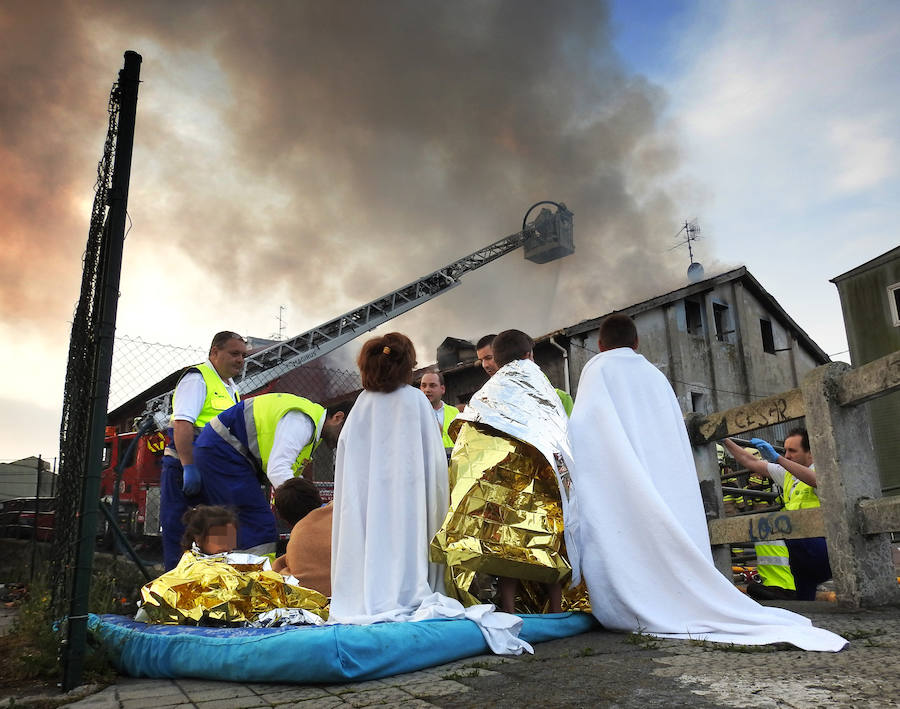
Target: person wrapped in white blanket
(390, 497)
(644, 542)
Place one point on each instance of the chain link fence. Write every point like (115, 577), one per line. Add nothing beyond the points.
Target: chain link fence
(123, 374)
(145, 373)
(139, 364)
(81, 379)
(324, 385)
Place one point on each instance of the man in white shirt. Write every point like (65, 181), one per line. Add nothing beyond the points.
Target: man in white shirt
(432, 385)
(203, 391)
(795, 473)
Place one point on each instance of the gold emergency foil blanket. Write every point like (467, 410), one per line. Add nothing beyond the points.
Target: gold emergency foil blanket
(208, 590)
(505, 516)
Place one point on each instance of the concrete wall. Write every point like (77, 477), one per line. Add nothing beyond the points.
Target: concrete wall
(711, 350)
(871, 334)
(714, 363)
(867, 314)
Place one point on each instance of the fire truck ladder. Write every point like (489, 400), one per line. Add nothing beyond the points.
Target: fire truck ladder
(548, 238)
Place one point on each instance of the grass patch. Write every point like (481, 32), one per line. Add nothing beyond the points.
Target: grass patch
(461, 674)
(642, 640)
(732, 647)
(861, 634)
(30, 653)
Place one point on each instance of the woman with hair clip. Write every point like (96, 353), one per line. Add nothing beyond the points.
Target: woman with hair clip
(391, 492)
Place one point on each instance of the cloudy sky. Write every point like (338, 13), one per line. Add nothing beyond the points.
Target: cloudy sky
(316, 155)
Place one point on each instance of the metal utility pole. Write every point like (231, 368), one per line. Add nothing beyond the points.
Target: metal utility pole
(37, 511)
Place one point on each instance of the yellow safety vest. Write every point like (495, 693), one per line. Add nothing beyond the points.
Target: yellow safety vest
(262, 414)
(450, 413)
(773, 564)
(566, 400)
(217, 397)
(798, 495)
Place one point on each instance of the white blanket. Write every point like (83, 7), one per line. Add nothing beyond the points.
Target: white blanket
(643, 535)
(390, 497)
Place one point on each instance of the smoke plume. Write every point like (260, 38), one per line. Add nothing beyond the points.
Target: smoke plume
(339, 150)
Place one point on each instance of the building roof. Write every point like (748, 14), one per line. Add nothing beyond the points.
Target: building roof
(869, 265)
(29, 462)
(738, 274)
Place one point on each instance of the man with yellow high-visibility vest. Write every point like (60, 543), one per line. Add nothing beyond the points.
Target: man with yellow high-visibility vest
(267, 438)
(203, 391)
(432, 385)
(795, 473)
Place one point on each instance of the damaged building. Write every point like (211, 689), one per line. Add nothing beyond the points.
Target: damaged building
(721, 342)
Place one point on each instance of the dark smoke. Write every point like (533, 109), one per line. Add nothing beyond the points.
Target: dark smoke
(48, 76)
(367, 143)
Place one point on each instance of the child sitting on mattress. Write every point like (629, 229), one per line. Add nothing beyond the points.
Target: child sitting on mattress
(215, 585)
(209, 530)
(308, 554)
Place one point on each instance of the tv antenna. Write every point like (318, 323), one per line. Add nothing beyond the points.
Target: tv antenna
(690, 232)
(281, 323)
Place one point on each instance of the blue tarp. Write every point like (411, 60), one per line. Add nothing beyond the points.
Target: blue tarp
(306, 654)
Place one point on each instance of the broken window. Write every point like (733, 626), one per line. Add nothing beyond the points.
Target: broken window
(693, 316)
(698, 405)
(894, 298)
(722, 319)
(768, 337)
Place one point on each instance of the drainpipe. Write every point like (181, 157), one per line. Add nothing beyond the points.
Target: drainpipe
(565, 356)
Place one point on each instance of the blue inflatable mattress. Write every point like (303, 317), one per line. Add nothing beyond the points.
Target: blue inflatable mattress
(306, 654)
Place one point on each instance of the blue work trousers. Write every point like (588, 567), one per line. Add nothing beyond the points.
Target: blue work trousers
(173, 503)
(230, 480)
(809, 565)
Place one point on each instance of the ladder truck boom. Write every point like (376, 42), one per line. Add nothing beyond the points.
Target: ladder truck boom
(547, 238)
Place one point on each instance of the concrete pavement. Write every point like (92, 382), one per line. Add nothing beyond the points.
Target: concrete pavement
(589, 670)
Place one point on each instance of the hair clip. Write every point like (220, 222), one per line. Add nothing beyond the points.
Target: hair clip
(386, 350)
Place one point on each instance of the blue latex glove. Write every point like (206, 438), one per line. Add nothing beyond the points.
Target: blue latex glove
(191, 482)
(765, 449)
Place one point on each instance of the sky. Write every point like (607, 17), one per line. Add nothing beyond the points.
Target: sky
(318, 155)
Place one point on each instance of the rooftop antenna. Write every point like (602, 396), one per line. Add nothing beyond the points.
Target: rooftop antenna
(690, 231)
(281, 323)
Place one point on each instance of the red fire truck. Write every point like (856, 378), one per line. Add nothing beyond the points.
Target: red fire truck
(132, 485)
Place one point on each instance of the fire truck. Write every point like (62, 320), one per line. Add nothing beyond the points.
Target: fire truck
(132, 461)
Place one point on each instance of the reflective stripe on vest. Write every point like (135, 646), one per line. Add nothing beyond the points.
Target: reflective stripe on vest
(261, 416)
(217, 397)
(450, 413)
(773, 565)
